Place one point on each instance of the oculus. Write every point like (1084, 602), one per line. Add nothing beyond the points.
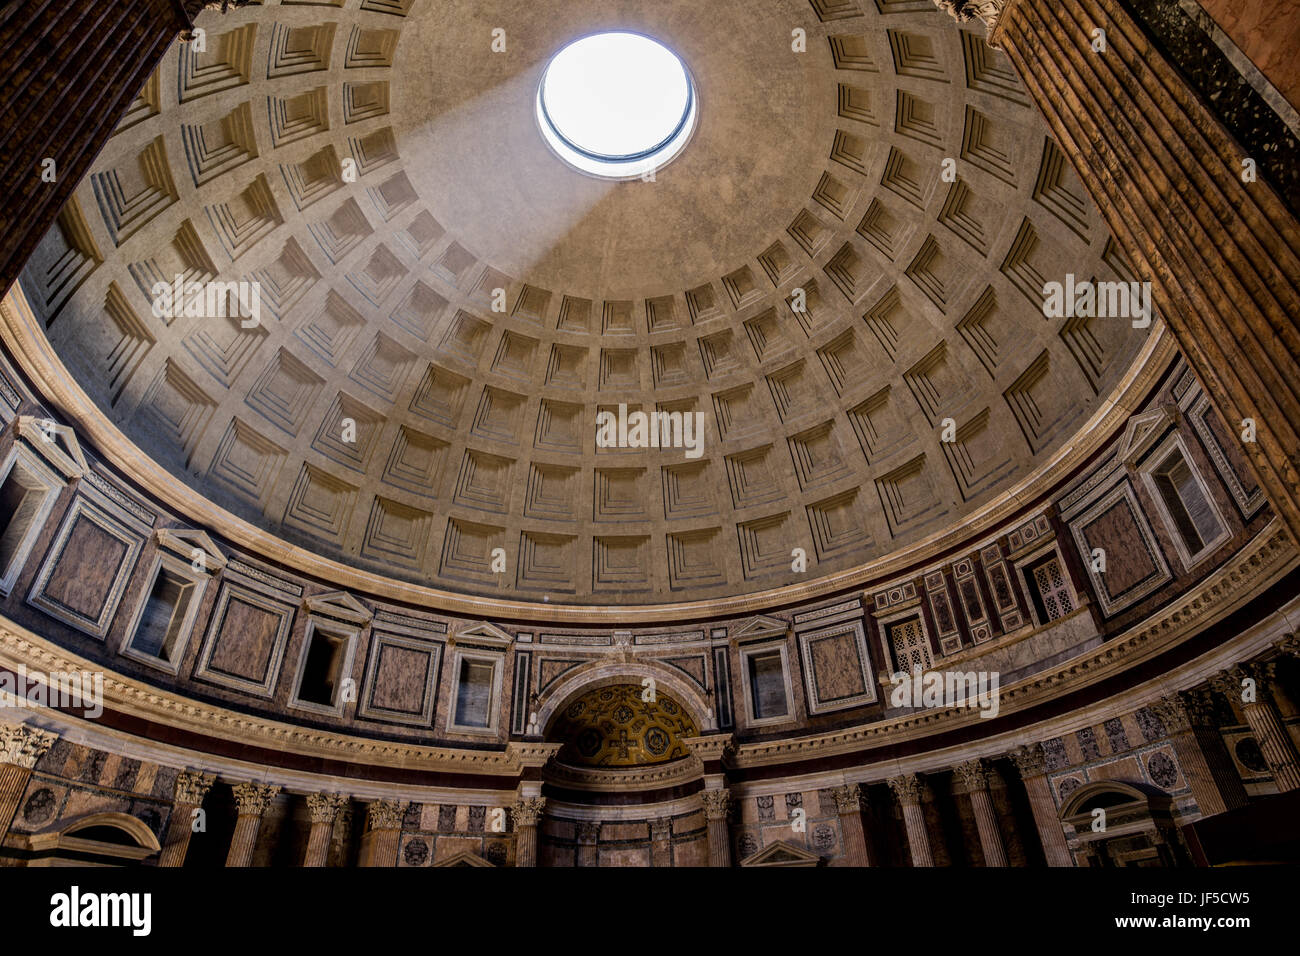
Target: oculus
(617, 105)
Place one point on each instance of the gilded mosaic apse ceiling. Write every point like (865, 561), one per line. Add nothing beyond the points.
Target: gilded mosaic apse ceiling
(820, 171)
(615, 727)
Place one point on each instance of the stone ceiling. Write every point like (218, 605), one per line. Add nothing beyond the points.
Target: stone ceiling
(475, 429)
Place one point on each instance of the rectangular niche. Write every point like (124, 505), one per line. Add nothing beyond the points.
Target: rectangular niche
(328, 649)
(161, 629)
(28, 492)
(475, 693)
(86, 569)
(766, 673)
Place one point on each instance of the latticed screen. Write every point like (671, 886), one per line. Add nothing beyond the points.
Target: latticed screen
(1053, 591)
(911, 649)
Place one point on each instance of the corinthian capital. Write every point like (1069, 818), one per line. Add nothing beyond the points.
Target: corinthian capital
(22, 746)
(386, 814)
(717, 804)
(192, 786)
(907, 788)
(987, 11)
(972, 775)
(527, 812)
(848, 798)
(325, 807)
(1029, 760)
(254, 798)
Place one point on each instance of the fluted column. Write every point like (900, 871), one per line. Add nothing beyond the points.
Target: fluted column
(1188, 718)
(526, 815)
(383, 833)
(972, 776)
(907, 790)
(191, 787)
(1265, 722)
(717, 809)
(20, 747)
(252, 800)
(850, 801)
(1222, 255)
(324, 809)
(1032, 766)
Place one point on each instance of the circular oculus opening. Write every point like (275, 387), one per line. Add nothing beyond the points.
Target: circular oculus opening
(616, 105)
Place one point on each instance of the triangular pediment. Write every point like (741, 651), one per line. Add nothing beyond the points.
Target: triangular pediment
(484, 633)
(464, 858)
(184, 542)
(760, 626)
(339, 605)
(781, 853)
(56, 443)
(1143, 431)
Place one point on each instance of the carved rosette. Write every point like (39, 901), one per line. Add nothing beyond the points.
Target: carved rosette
(717, 804)
(1029, 760)
(848, 798)
(253, 798)
(527, 812)
(907, 789)
(22, 746)
(989, 12)
(192, 786)
(325, 807)
(972, 775)
(386, 814)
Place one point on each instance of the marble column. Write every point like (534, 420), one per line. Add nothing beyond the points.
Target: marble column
(526, 815)
(191, 787)
(383, 832)
(661, 842)
(20, 747)
(253, 799)
(1265, 722)
(1222, 255)
(972, 777)
(850, 801)
(324, 809)
(717, 809)
(1032, 766)
(907, 790)
(1188, 719)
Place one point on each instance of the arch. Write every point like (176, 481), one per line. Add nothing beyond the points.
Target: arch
(134, 828)
(1106, 794)
(598, 674)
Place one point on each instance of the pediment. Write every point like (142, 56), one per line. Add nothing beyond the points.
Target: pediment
(484, 633)
(185, 541)
(464, 858)
(1143, 431)
(56, 443)
(339, 605)
(761, 626)
(782, 853)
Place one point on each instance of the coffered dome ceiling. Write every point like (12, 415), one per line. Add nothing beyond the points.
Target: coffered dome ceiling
(475, 429)
(618, 727)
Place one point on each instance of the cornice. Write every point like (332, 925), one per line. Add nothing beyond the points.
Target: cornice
(26, 342)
